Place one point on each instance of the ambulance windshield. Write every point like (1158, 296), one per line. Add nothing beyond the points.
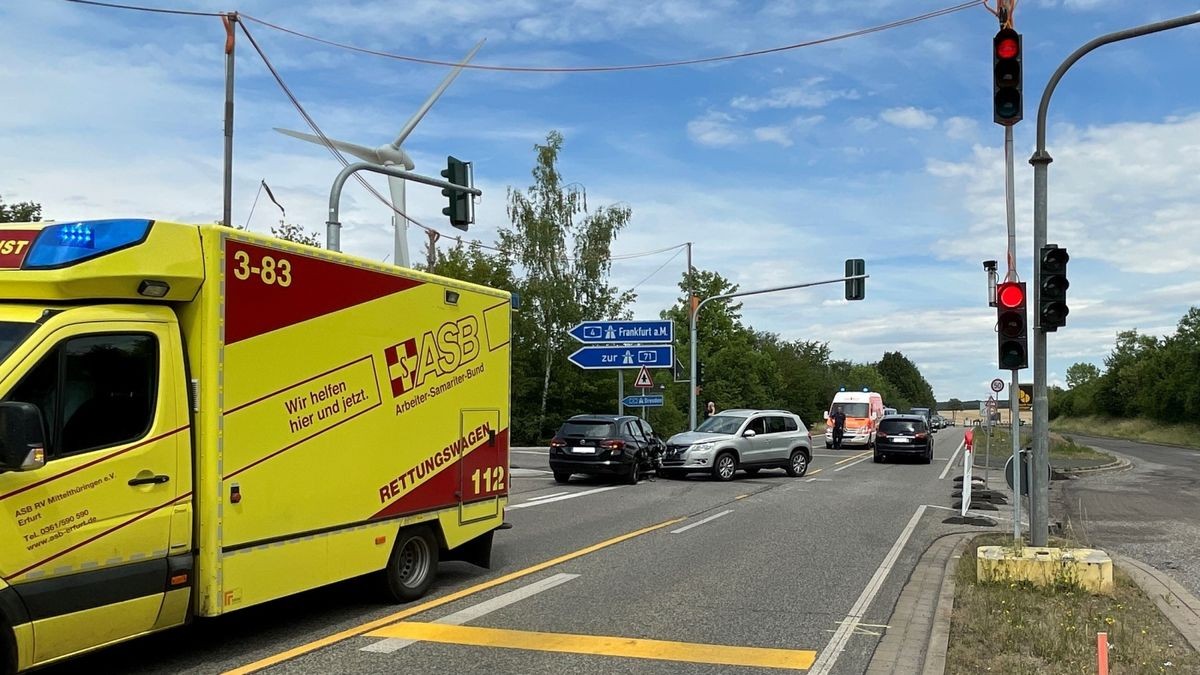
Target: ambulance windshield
(12, 333)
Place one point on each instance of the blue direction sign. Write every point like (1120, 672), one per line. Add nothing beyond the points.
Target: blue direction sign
(648, 401)
(616, 358)
(608, 332)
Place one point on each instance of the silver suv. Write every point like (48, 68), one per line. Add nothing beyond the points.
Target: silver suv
(741, 439)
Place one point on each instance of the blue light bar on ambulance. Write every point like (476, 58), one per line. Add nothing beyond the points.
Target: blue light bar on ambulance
(65, 244)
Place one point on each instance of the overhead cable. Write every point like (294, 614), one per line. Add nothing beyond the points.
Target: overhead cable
(618, 68)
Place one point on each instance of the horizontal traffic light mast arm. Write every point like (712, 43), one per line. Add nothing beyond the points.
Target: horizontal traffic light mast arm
(760, 291)
(696, 313)
(333, 226)
(1044, 105)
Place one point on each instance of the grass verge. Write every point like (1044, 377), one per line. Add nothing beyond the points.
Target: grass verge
(1147, 431)
(1062, 447)
(1017, 629)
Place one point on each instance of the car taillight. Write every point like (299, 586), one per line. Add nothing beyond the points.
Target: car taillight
(881, 434)
(614, 446)
(920, 435)
(556, 443)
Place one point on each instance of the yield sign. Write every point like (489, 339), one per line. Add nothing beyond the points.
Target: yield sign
(643, 381)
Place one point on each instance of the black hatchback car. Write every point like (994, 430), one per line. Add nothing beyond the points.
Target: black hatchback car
(904, 435)
(612, 445)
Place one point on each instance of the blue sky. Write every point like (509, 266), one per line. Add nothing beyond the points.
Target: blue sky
(778, 167)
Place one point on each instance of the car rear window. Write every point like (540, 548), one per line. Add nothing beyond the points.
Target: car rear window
(901, 426)
(588, 429)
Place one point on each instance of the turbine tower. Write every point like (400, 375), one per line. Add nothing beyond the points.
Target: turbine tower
(391, 154)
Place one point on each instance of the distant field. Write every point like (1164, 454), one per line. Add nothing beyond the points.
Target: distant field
(967, 416)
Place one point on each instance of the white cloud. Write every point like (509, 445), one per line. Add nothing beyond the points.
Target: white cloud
(807, 95)
(961, 128)
(863, 124)
(784, 134)
(908, 117)
(714, 129)
(1125, 194)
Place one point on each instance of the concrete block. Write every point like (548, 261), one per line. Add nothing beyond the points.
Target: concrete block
(1090, 569)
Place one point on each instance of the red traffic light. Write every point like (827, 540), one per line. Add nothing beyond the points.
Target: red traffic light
(1007, 48)
(1010, 295)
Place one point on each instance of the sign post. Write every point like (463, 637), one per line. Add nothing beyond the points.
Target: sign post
(968, 461)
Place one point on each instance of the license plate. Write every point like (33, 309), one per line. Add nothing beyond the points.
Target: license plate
(583, 451)
(901, 439)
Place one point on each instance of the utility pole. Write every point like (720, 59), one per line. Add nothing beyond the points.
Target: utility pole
(230, 20)
(1040, 531)
(691, 294)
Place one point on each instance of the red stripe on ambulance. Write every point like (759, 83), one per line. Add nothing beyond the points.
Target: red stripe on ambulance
(271, 288)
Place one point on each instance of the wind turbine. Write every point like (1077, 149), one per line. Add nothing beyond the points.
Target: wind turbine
(391, 154)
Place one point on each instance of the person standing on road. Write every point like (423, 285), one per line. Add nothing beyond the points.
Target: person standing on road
(839, 426)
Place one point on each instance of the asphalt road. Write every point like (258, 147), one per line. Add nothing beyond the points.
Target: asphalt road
(1150, 511)
(801, 569)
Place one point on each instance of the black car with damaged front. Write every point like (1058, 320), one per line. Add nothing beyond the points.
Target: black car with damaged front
(904, 436)
(605, 445)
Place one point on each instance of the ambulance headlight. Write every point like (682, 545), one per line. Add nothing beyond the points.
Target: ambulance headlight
(69, 243)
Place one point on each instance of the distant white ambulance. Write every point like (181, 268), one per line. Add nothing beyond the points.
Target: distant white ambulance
(863, 411)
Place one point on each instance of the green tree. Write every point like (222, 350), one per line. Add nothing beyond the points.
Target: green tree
(563, 249)
(907, 379)
(296, 234)
(1080, 374)
(20, 212)
(956, 407)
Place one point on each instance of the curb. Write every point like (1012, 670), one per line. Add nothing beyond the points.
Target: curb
(1115, 465)
(1176, 603)
(939, 636)
(921, 618)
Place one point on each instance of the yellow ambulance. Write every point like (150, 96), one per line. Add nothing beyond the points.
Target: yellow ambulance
(194, 420)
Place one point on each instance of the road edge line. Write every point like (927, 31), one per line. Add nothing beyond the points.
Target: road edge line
(953, 456)
(313, 646)
(837, 644)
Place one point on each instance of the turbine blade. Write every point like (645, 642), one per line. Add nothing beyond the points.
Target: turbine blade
(437, 93)
(360, 151)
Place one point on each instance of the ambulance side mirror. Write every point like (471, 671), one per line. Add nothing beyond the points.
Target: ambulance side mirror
(22, 440)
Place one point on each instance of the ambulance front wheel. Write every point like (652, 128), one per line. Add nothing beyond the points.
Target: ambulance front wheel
(412, 565)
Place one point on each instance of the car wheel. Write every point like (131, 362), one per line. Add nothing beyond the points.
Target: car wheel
(635, 470)
(562, 476)
(753, 471)
(928, 457)
(797, 464)
(828, 445)
(412, 565)
(724, 466)
(878, 458)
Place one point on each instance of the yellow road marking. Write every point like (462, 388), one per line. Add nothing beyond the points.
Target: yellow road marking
(437, 602)
(601, 645)
(740, 497)
(813, 473)
(852, 457)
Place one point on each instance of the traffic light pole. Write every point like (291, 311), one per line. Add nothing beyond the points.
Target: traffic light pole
(696, 313)
(333, 227)
(1039, 529)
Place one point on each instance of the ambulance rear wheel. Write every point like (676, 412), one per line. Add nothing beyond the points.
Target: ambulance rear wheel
(412, 565)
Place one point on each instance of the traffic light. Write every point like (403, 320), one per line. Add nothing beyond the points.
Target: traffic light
(699, 373)
(1052, 301)
(856, 289)
(459, 210)
(1007, 109)
(1010, 326)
